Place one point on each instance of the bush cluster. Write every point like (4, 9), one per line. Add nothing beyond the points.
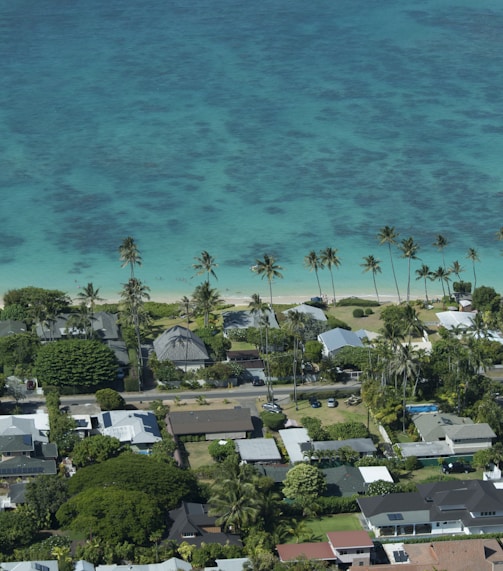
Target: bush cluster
(357, 301)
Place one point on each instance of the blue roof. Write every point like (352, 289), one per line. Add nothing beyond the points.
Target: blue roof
(337, 338)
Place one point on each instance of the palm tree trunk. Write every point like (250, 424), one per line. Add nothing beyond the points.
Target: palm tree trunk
(375, 287)
(318, 280)
(394, 274)
(333, 286)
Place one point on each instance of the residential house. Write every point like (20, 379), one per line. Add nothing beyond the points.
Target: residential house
(456, 319)
(24, 446)
(439, 508)
(335, 339)
(14, 497)
(343, 548)
(182, 347)
(11, 327)
(460, 434)
(247, 318)
(225, 424)
(249, 360)
(258, 450)
(317, 449)
(371, 474)
(193, 524)
(29, 566)
(173, 564)
(236, 564)
(138, 428)
(313, 312)
(456, 555)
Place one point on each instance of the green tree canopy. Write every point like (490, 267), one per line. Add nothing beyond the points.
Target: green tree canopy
(17, 529)
(303, 484)
(19, 350)
(167, 483)
(113, 514)
(76, 363)
(44, 495)
(220, 449)
(95, 449)
(108, 399)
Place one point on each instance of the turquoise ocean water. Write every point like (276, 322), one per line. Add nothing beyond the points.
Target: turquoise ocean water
(242, 128)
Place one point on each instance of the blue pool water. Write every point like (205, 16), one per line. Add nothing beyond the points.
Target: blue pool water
(416, 408)
(245, 128)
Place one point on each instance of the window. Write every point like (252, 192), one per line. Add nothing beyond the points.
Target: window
(360, 551)
(395, 517)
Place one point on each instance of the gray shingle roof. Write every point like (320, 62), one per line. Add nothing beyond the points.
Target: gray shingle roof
(246, 318)
(338, 338)
(258, 450)
(179, 344)
(211, 421)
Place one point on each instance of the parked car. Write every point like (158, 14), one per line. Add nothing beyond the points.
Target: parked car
(315, 403)
(30, 385)
(258, 382)
(272, 407)
(456, 468)
(332, 403)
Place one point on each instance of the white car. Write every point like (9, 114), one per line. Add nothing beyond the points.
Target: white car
(331, 403)
(272, 407)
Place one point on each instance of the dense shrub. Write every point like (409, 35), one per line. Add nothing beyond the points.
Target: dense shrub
(349, 301)
(272, 420)
(358, 312)
(158, 310)
(336, 505)
(333, 322)
(369, 311)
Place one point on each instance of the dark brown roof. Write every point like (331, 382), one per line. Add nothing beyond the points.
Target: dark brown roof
(347, 539)
(294, 551)
(243, 355)
(211, 421)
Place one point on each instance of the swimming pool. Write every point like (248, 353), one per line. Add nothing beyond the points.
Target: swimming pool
(415, 408)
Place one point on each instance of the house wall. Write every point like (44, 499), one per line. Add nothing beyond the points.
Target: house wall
(226, 436)
(469, 447)
(353, 556)
(445, 527)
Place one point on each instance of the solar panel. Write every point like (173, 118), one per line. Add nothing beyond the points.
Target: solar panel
(107, 420)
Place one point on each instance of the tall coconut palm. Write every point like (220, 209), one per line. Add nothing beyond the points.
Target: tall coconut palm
(387, 235)
(440, 243)
(89, 296)
(409, 250)
(129, 254)
(313, 262)
(412, 325)
(372, 264)
(295, 322)
(472, 255)
(133, 295)
(330, 259)
(424, 273)
(186, 305)
(206, 299)
(205, 264)
(442, 276)
(405, 364)
(456, 269)
(268, 268)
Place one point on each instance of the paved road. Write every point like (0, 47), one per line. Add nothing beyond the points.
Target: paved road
(243, 393)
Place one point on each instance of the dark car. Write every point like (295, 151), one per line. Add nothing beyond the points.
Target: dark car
(258, 382)
(315, 403)
(272, 407)
(456, 468)
(30, 385)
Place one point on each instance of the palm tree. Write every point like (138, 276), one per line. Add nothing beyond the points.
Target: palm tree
(89, 297)
(456, 269)
(269, 269)
(472, 255)
(405, 364)
(313, 262)
(409, 250)
(295, 322)
(133, 295)
(412, 325)
(236, 502)
(424, 273)
(206, 299)
(129, 254)
(440, 243)
(373, 265)
(387, 235)
(442, 276)
(186, 305)
(330, 259)
(205, 265)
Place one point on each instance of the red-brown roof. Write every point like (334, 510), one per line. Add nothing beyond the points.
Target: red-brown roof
(294, 551)
(349, 539)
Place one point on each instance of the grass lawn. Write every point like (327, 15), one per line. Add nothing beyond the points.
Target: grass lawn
(198, 454)
(342, 413)
(338, 522)
(431, 473)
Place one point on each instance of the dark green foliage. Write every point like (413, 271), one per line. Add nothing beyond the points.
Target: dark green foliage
(43, 550)
(462, 287)
(78, 363)
(335, 504)
(345, 430)
(219, 452)
(61, 425)
(13, 311)
(217, 372)
(135, 472)
(158, 310)
(17, 529)
(217, 345)
(272, 420)
(368, 311)
(381, 488)
(411, 463)
(349, 301)
(95, 449)
(44, 495)
(351, 358)
(313, 351)
(19, 350)
(303, 484)
(29, 297)
(280, 364)
(485, 298)
(314, 428)
(333, 322)
(113, 514)
(108, 399)
(165, 371)
(358, 312)
(206, 555)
